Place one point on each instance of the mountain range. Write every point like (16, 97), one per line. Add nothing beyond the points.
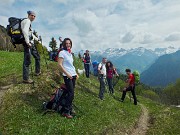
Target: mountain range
(136, 59)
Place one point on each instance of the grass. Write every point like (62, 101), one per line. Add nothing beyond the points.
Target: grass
(11, 63)
(11, 67)
(164, 120)
(21, 111)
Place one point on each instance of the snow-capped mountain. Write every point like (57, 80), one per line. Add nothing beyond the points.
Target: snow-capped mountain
(136, 58)
(162, 51)
(111, 52)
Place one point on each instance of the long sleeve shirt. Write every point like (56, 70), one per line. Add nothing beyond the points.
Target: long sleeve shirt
(27, 32)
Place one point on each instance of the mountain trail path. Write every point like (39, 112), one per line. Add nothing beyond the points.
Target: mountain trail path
(143, 123)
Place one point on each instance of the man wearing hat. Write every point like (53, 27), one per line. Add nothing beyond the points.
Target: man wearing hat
(29, 47)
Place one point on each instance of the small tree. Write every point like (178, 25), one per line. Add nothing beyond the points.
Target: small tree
(53, 44)
(79, 55)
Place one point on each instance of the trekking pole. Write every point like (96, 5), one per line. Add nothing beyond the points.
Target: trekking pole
(43, 52)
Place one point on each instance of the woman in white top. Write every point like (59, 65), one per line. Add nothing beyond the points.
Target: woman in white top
(65, 62)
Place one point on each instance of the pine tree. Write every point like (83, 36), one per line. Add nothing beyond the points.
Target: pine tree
(53, 44)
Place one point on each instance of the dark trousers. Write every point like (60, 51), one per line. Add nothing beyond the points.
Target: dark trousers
(132, 89)
(86, 67)
(27, 60)
(102, 86)
(70, 85)
(110, 84)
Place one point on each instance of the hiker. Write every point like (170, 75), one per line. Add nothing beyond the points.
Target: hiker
(130, 86)
(111, 71)
(65, 62)
(102, 77)
(87, 62)
(29, 47)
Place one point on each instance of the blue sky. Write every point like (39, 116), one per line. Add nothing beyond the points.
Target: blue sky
(101, 24)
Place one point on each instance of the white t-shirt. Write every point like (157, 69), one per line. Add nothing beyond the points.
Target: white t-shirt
(25, 26)
(67, 62)
(102, 67)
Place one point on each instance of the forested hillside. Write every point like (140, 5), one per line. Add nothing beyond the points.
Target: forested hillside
(164, 71)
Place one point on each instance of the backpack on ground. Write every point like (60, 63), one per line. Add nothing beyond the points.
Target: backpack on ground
(57, 100)
(14, 30)
(136, 77)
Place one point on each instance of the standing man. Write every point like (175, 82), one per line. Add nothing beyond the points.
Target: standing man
(130, 86)
(102, 77)
(29, 47)
(87, 62)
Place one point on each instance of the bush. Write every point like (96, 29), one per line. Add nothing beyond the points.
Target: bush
(151, 95)
(171, 94)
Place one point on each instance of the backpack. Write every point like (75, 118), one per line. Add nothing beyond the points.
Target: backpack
(57, 100)
(14, 30)
(136, 77)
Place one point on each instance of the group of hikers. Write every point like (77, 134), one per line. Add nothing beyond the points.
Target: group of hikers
(105, 68)
(106, 71)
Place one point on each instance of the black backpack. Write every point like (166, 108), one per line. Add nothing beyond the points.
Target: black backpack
(57, 100)
(14, 31)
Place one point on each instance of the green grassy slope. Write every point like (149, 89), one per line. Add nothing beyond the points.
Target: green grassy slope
(21, 111)
(11, 66)
(164, 120)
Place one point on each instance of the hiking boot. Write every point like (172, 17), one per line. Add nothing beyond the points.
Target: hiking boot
(67, 115)
(37, 74)
(29, 81)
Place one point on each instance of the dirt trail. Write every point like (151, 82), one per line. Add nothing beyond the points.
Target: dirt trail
(143, 122)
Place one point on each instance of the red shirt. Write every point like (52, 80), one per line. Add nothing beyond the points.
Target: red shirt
(131, 79)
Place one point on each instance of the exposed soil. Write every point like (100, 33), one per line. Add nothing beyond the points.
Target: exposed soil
(142, 125)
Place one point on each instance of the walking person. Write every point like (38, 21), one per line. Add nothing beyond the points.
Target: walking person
(111, 71)
(102, 77)
(29, 47)
(65, 63)
(130, 86)
(87, 62)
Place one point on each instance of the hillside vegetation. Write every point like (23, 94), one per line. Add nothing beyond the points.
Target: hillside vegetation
(164, 71)
(21, 109)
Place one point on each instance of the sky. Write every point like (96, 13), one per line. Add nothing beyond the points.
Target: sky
(101, 24)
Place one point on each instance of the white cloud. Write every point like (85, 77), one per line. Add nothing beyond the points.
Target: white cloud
(4, 20)
(128, 37)
(173, 37)
(7, 2)
(100, 24)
